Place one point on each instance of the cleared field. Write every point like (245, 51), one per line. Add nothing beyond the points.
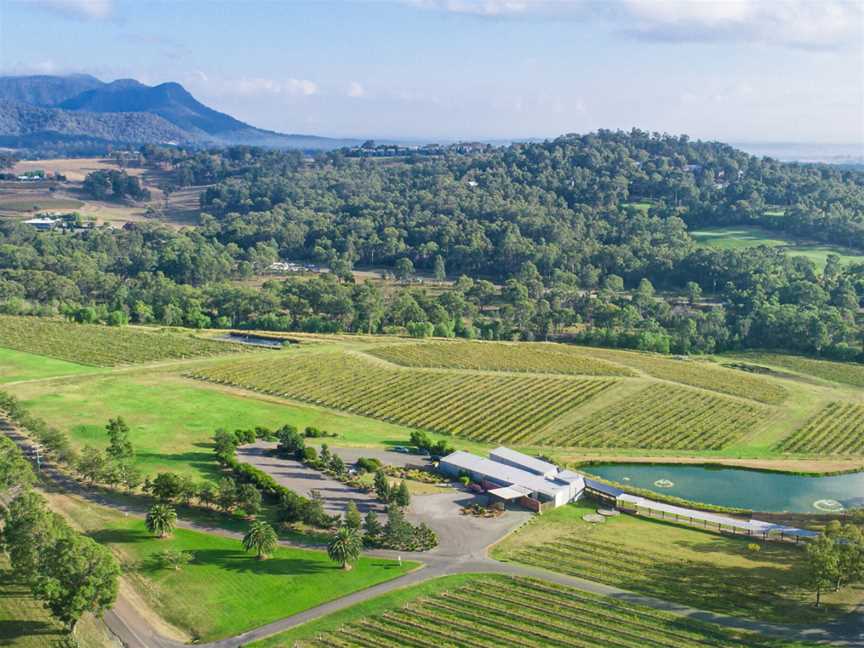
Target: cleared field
(698, 373)
(703, 570)
(664, 417)
(17, 365)
(838, 428)
(225, 590)
(742, 236)
(489, 611)
(23, 204)
(103, 346)
(847, 373)
(485, 407)
(497, 356)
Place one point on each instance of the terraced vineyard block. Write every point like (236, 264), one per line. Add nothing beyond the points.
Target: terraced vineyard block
(500, 356)
(488, 407)
(838, 428)
(664, 417)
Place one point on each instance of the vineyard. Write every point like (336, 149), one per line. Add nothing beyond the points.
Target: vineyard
(491, 612)
(102, 345)
(487, 407)
(663, 416)
(699, 374)
(499, 356)
(838, 428)
(666, 575)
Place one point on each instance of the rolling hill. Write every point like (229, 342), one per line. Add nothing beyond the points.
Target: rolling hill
(38, 110)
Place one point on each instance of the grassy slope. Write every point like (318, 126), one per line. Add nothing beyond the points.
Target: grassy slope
(224, 590)
(738, 237)
(720, 574)
(17, 365)
(24, 623)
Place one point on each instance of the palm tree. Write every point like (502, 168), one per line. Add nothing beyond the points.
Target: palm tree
(161, 520)
(261, 538)
(344, 546)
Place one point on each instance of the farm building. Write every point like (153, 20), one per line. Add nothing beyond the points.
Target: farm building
(42, 223)
(511, 475)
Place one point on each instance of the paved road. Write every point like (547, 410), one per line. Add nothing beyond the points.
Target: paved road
(134, 631)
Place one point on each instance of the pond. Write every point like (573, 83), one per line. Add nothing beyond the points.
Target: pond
(741, 488)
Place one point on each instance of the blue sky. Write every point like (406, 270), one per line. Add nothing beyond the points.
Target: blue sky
(735, 70)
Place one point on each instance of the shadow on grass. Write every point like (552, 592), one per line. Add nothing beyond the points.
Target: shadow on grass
(242, 562)
(205, 462)
(13, 630)
(119, 536)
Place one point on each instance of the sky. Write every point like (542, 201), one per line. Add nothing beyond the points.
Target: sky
(730, 70)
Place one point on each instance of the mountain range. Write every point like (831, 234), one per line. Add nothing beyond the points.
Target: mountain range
(39, 111)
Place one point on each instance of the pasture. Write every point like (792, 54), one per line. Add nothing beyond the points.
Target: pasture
(742, 236)
(488, 610)
(224, 590)
(104, 346)
(695, 568)
(17, 365)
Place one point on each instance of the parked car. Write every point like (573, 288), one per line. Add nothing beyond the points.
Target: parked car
(401, 449)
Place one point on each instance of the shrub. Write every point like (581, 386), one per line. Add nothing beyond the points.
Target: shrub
(368, 464)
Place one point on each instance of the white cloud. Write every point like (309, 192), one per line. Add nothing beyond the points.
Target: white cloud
(356, 89)
(253, 86)
(86, 9)
(817, 24)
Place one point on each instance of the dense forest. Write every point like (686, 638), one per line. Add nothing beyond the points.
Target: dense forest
(584, 237)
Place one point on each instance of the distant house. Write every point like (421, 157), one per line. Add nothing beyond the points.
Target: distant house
(42, 223)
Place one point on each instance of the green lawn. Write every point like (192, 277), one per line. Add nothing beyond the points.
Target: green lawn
(676, 563)
(24, 622)
(743, 236)
(225, 591)
(17, 365)
(173, 419)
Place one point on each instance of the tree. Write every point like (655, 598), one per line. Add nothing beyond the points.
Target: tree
(403, 269)
(224, 443)
(371, 524)
(173, 559)
(167, 486)
(337, 465)
(161, 520)
(249, 499)
(352, 516)
(439, 270)
(344, 547)
(290, 441)
(823, 564)
(29, 529)
(397, 531)
(91, 464)
(226, 494)
(694, 292)
(77, 575)
(15, 470)
(402, 497)
(260, 538)
(382, 486)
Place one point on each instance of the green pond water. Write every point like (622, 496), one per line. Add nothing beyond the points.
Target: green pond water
(741, 488)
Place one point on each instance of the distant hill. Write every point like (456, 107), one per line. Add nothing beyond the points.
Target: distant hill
(126, 111)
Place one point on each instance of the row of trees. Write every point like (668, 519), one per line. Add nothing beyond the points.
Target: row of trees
(71, 574)
(835, 559)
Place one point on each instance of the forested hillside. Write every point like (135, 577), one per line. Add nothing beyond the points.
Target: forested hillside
(584, 237)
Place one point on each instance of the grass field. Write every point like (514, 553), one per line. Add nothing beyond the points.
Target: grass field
(24, 622)
(695, 568)
(172, 419)
(104, 346)
(24, 205)
(742, 236)
(16, 365)
(664, 416)
(224, 590)
(485, 407)
(488, 611)
(492, 356)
